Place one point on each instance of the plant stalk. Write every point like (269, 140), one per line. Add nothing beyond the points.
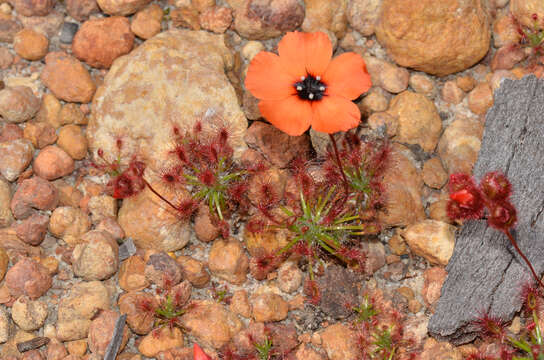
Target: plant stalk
(333, 140)
(515, 245)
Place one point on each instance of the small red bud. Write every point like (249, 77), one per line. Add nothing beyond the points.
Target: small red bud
(495, 186)
(502, 216)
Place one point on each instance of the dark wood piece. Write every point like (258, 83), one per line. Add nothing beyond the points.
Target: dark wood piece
(32, 344)
(485, 274)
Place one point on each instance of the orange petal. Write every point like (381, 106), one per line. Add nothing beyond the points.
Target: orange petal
(334, 113)
(291, 115)
(292, 53)
(318, 53)
(266, 78)
(347, 76)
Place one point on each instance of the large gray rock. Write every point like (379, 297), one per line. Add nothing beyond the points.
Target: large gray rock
(485, 274)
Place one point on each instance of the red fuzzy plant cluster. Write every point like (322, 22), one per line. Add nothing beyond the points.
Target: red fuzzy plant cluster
(509, 346)
(380, 332)
(321, 213)
(532, 38)
(171, 303)
(470, 201)
(358, 166)
(199, 161)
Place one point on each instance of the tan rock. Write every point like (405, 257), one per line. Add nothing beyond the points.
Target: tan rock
(15, 156)
(403, 185)
(197, 89)
(439, 40)
(202, 5)
(289, 277)
(260, 20)
(211, 323)
(228, 260)
(122, 7)
(131, 274)
(77, 347)
(459, 145)
(67, 78)
(306, 352)
(193, 270)
(160, 339)
(380, 119)
(71, 114)
(73, 141)
(216, 19)
(268, 307)
(239, 304)
(339, 342)
(70, 224)
(433, 279)
(438, 211)
(140, 309)
(329, 15)
(99, 42)
(439, 350)
(6, 218)
(27, 277)
(375, 101)
(466, 83)
(433, 173)
(78, 307)
(505, 31)
(33, 8)
(252, 48)
(30, 45)
(81, 9)
(27, 314)
(185, 17)
(97, 258)
(388, 76)
(363, 15)
(102, 207)
(18, 104)
(48, 25)
(4, 325)
(205, 227)
(523, 11)
(498, 77)
(397, 245)
(431, 239)
(49, 110)
(422, 84)
(40, 134)
(33, 193)
(52, 163)
(480, 99)
(101, 332)
(151, 223)
(268, 241)
(418, 120)
(9, 27)
(451, 93)
(147, 22)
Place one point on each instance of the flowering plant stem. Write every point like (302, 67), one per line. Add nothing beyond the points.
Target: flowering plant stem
(515, 245)
(333, 140)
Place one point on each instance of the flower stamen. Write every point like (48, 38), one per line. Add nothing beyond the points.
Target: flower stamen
(310, 88)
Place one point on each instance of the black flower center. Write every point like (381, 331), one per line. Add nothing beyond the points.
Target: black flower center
(310, 88)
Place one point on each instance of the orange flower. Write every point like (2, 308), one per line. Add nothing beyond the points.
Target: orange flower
(304, 87)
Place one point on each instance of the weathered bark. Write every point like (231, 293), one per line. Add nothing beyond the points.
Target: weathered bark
(485, 274)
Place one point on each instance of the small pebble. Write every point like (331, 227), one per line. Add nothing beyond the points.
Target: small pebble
(67, 32)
